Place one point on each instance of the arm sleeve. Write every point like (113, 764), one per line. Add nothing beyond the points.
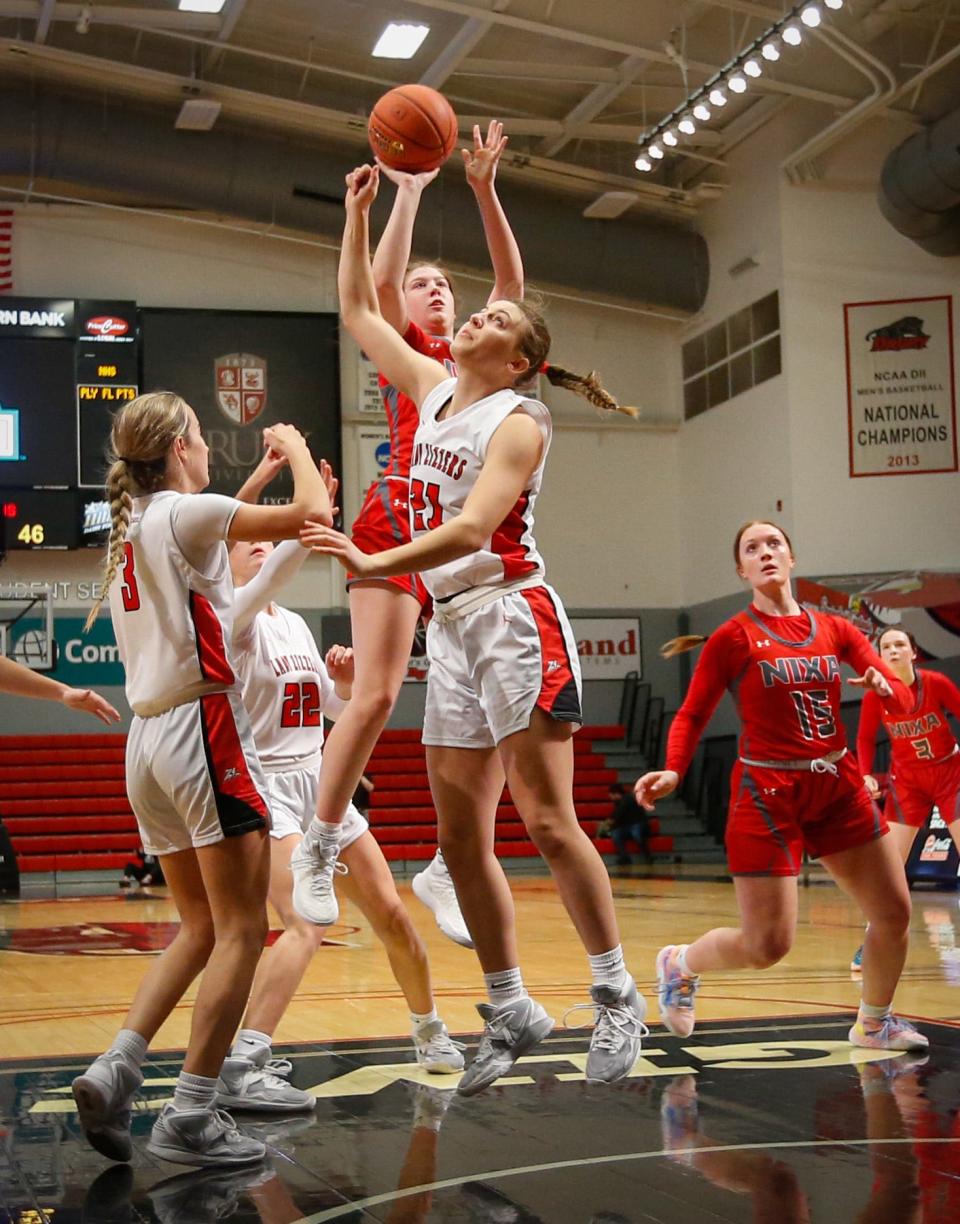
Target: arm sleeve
(724, 656)
(857, 651)
(946, 692)
(283, 564)
(870, 709)
(200, 523)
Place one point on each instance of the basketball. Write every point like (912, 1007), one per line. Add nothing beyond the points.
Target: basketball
(412, 128)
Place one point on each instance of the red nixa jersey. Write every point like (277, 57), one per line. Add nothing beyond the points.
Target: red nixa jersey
(403, 416)
(784, 675)
(918, 737)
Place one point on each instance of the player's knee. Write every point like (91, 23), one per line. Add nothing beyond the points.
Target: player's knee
(894, 914)
(393, 926)
(374, 704)
(768, 948)
(550, 832)
(200, 934)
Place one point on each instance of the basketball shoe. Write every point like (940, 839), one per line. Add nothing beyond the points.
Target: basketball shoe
(436, 1049)
(509, 1031)
(676, 993)
(260, 1083)
(104, 1096)
(434, 887)
(891, 1033)
(617, 1032)
(313, 870)
(202, 1137)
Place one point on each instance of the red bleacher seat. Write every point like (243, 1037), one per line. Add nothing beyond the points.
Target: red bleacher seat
(64, 802)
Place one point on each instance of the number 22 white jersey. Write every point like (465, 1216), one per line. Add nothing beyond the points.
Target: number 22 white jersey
(448, 456)
(286, 689)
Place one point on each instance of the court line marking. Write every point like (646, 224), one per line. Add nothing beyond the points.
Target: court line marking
(345, 1209)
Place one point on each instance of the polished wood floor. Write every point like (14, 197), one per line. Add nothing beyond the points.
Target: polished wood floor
(69, 967)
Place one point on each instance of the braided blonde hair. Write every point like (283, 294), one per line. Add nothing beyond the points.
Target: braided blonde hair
(535, 345)
(142, 434)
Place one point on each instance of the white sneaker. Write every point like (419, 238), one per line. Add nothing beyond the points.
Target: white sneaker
(202, 1137)
(104, 1096)
(617, 1033)
(434, 887)
(511, 1030)
(313, 872)
(260, 1083)
(436, 1049)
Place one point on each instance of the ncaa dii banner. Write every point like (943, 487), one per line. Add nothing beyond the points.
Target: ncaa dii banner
(900, 387)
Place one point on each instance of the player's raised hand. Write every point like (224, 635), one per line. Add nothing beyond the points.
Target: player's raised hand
(481, 161)
(331, 483)
(874, 681)
(339, 661)
(284, 439)
(91, 703)
(362, 186)
(406, 181)
(655, 785)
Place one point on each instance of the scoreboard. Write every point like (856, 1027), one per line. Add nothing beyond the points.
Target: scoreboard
(65, 366)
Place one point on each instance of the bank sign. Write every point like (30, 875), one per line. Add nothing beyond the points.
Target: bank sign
(84, 660)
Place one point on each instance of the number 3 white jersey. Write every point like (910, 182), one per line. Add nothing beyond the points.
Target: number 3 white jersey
(448, 456)
(173, 623)
(286, 689)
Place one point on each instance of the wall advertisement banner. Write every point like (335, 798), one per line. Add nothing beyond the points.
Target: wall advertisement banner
(901, 398)
(609, 647)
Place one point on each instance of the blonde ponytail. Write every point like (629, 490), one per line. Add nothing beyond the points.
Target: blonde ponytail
(678, 645)
(142, 434)
(587, 385)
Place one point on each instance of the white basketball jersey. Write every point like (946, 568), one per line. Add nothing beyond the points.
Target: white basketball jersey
(173, 624)
(286, 689)
(448, 456)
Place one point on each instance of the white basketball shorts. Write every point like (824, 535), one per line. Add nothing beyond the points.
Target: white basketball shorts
(293, 802)
(193, 777)
(491, 668)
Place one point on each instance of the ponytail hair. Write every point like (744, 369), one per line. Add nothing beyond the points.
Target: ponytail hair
(679, 645)
(535, 345)
(142, 434)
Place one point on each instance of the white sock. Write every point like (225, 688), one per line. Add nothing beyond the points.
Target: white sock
(248, 1042)
(504, 987)
(322, 833)
(194, 1092)
(131, 1045)
(420, 1022)
(681, 959)
(869, 1012)
(608, 969)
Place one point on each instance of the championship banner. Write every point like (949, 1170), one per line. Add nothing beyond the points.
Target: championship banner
(901, 401)
(373, 446)
(370, 399)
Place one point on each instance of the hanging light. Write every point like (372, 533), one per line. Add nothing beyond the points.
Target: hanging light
(752, 67)
(687, 126)
(718, 97)
(654, 151)
(834, 4)
(738, 83)
(811, 16)
(669, 138)
(643, 163)
(702, 112)
(792, 34)
(770, 51)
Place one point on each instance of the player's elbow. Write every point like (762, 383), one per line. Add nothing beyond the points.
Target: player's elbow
(471, 534)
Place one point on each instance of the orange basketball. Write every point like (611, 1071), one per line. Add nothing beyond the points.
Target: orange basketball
(412, 128)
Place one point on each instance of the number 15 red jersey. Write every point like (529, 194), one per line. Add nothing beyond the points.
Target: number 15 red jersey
(784, 675)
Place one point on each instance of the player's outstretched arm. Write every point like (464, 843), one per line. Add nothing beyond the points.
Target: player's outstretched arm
(393, 250)
(311, 499)
(24, 682)
(411, 372)
(481, 164)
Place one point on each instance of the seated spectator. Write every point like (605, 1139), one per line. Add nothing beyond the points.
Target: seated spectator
(627, 822)
(144, 873)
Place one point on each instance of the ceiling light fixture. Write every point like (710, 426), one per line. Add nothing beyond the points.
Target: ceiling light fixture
(201, 6)
(400, 40)
(734, 77)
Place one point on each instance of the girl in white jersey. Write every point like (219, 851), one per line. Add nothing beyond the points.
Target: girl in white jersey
(288, 690)
(193, 778)
(504, 682)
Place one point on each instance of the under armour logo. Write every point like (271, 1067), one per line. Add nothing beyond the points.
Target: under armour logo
(769, 790)
(230, 773)
(553, 665)
(763, 641)
(399, 504)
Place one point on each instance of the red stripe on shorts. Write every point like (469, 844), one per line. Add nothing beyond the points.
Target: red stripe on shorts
(506, 541)
(558, 687)
(211, 649)
(240, 805)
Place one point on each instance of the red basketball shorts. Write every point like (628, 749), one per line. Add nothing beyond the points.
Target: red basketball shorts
(913, 792)
(777, 814)
(384, 522)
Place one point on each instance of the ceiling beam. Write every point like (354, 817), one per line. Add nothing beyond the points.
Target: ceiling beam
(43, 20)
(231, 15)
(456, 50)
(596, 101)
(33, 10)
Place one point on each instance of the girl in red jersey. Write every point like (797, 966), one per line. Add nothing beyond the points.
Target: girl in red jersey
(419, 304)
(794, 788)
(925, 759)
(503, 690)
